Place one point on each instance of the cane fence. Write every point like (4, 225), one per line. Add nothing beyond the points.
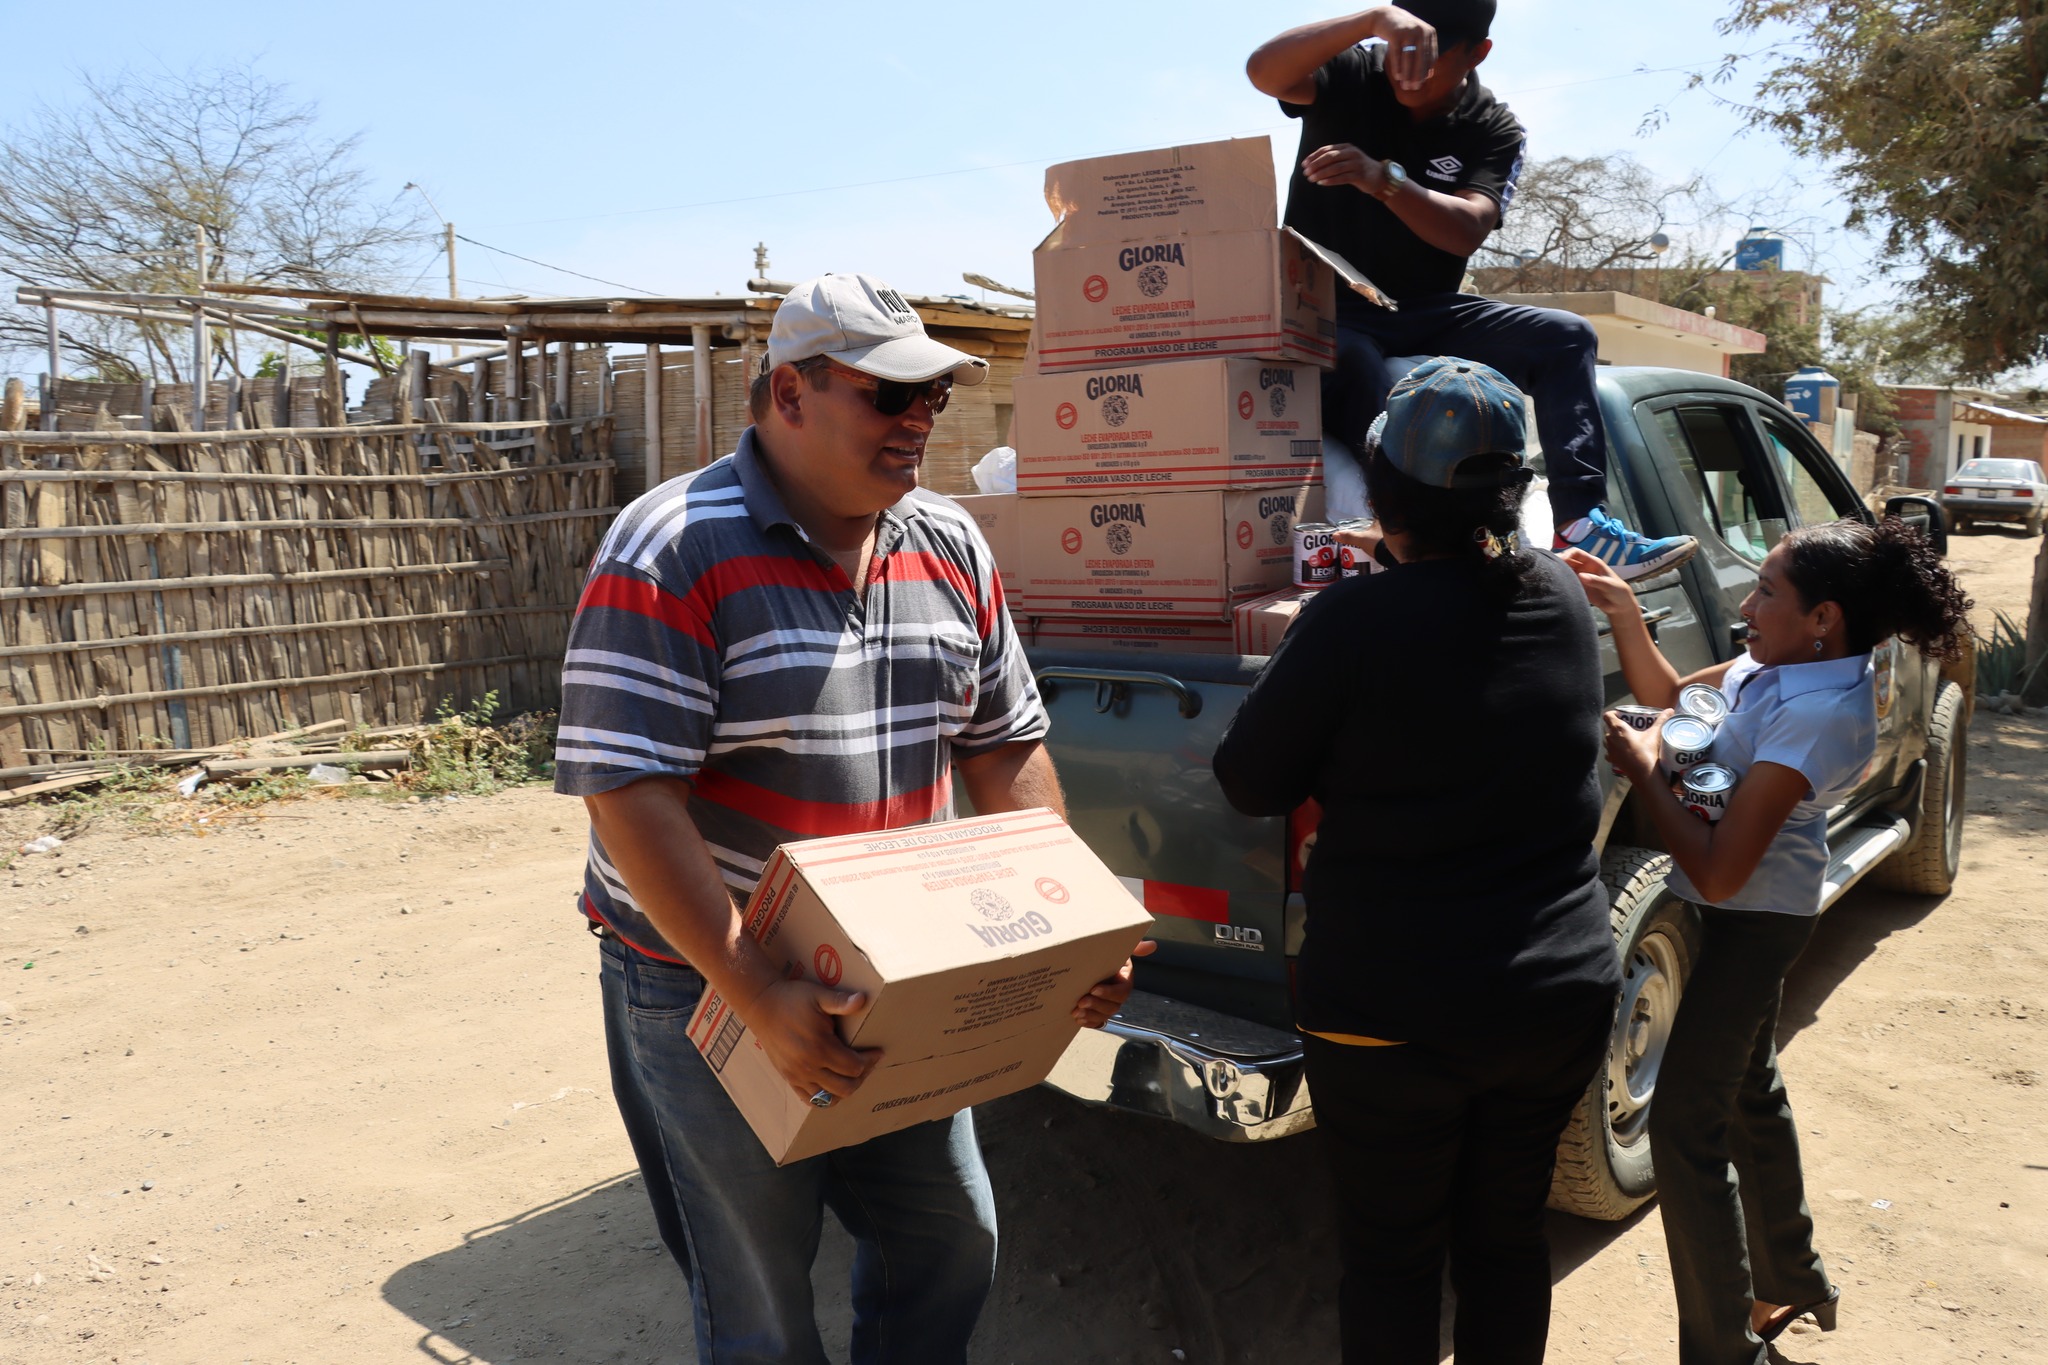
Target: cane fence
(183, 589)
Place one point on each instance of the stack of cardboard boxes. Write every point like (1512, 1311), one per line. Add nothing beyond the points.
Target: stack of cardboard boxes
(1169, 426)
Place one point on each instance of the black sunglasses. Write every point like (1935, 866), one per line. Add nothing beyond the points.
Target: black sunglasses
(893, 397)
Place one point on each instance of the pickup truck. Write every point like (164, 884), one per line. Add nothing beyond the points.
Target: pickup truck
(1207, 1040)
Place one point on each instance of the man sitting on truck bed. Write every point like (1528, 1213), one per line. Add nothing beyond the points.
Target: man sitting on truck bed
(1407, 163)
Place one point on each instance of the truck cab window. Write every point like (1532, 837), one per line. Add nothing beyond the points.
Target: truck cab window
(1708, 443)
(1811, 501)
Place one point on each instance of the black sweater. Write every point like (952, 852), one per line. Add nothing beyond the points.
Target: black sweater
(1451, 739)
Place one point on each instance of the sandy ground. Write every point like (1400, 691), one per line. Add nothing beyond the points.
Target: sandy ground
(328, 1084)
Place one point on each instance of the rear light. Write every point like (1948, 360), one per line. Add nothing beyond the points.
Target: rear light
(2023, 492)
(1302, 824)
(1953, 488)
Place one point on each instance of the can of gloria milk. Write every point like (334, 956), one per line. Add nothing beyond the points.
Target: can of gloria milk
(1686, 741)
(1703, 701)
(1705, 791)
(1315, 554)
(1638, 717)
(1353, 560)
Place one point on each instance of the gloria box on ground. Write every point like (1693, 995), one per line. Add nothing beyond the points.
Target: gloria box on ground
(972, 941)
(1175, 253)
(1188, 555)
(1186, 424)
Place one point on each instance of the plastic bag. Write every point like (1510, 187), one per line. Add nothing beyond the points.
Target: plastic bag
(996, 472)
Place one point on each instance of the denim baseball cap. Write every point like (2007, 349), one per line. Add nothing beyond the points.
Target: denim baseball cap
(1454, 423)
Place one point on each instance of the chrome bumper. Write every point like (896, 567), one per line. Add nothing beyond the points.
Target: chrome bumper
(1232, 1080)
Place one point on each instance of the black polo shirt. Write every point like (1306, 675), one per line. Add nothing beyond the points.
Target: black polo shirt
(1475, 146)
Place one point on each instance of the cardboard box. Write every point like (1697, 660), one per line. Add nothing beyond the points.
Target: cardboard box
(1268, 293)
(1175, 253)
(972, 940)
(1187, 555)
(1134, 635)
(1257, 625)
(996, 515)
(1187, 424)
(1200, 187)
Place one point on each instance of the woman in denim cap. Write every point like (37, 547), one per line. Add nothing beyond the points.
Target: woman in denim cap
(1457, 981)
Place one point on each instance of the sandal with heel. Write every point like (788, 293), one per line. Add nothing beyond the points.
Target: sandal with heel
(1824, 1315)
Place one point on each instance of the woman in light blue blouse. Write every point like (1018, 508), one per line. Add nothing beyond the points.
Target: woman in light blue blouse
(1801, 729)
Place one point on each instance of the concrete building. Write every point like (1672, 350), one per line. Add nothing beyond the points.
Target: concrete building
(1635, 331)
(1942, 426)
(1802, 291)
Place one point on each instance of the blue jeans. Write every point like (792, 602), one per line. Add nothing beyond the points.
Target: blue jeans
(1549, 355)
(745, 1231)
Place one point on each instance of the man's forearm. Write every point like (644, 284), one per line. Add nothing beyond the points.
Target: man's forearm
(648, 834)
(1448, 222)
(1014, 777)
(1280, 66)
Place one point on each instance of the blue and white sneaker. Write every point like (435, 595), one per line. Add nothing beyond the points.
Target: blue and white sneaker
(1629, 553)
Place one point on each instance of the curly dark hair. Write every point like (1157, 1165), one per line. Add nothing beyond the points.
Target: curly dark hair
(1451, 521)
(1888, 581)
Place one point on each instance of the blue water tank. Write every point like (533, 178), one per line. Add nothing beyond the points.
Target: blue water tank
(1811, 392)
(1760, 252)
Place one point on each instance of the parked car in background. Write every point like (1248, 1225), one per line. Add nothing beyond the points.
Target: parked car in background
(1996, 490)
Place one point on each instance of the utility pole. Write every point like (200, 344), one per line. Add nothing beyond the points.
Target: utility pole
(199, 344)
(447, 245)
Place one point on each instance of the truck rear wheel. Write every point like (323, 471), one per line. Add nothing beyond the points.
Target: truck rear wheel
(1928, 865)
(1603, 1160)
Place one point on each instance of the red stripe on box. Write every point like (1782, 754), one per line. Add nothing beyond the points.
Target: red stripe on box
(1188, 902)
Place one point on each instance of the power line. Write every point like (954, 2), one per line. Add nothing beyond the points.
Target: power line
(867, 184)
(563, 270)
(1027, 161)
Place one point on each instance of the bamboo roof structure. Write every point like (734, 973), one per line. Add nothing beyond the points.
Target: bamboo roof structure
(730, 319)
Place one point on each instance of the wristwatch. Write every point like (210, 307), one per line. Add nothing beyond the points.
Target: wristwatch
(1396, 175)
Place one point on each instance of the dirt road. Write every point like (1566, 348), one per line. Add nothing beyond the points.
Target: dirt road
(327, 1084)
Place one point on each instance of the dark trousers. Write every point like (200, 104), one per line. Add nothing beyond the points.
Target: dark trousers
(1549, 355)
(1722, 1136)
(1446, 1152)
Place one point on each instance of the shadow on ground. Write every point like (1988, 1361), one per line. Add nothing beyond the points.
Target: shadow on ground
(1123, 1239)
(1996, 798)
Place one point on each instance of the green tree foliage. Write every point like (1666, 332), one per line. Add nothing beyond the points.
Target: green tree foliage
(1932, 114)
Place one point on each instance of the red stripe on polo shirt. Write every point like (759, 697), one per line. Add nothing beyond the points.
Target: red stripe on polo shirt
(816, 819)
(637, 595)
(922, 566)
(742, 572)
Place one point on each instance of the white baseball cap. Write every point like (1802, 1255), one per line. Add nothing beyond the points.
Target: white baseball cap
(862, 323)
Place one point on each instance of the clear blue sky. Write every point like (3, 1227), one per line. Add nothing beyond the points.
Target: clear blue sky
(654, 144)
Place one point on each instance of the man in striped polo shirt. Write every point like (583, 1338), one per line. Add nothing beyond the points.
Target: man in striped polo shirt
(794, 642)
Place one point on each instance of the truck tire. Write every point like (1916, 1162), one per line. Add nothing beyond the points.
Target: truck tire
(1928, 863)
(1603, 1160)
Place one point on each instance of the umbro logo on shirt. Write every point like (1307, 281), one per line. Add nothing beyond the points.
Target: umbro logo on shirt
(1446, 167)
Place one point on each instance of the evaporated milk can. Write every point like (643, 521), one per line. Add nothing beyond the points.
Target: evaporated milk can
(1315, 554)
(1686, 741)
(1353, 560)
(1703, 701)
(1638, 717)
(1705, 790)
